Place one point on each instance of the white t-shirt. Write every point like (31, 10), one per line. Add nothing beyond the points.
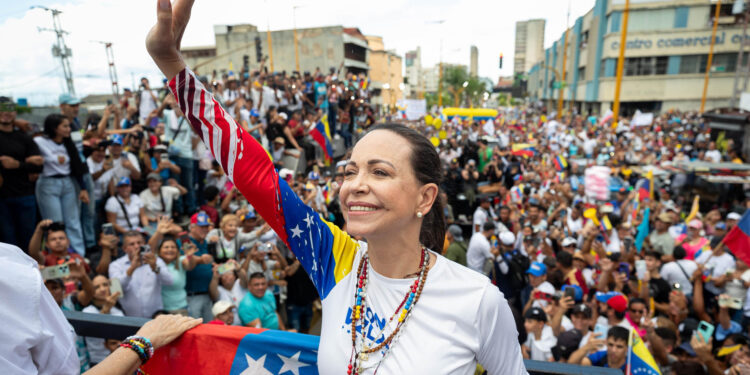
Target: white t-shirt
(438, 338)
(481, 216)
(100, 184)
(714, 155)
(36, 337)
(95, 345)
(152, 203)
(133, 209)
(541, 350)
(719, 265)
(234, 297)
(147, 105)
(118, 171)
(56, 160)
(672, 273)
(478, 252)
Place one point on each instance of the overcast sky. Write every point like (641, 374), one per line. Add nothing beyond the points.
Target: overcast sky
(27, 68)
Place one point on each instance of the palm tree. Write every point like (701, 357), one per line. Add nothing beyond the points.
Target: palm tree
(464, 88)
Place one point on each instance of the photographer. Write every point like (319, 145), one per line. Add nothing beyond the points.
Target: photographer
(142, 275)
(147, 100)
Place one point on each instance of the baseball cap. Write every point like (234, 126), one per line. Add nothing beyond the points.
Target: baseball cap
(456, 232)
(507, 238)
(254, 113)
(69, 99)
(279, 140)
(249, 215)
(123, 181)
(619, 303)
(116, 139)
(221, 307)
(733, 216)
(313, 176)
(665, 217)
(200, 219)
(578, 295)
(605, 296)
(582, 309)
(537, 269)
(536, 313)
(569, 241)
(695, 223)
(285, 172)
(567, 343)
(721, 225)
(687, 348)
(153, 176)
(159, 148)
(283, 115)
(606, 208)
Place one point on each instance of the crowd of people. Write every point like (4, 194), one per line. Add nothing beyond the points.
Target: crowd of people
(145, 223)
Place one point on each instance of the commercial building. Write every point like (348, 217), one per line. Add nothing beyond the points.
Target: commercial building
(666, 53)
(474, 62)
(386, 78)
(413, 78)
(319, 48)
(529, 47)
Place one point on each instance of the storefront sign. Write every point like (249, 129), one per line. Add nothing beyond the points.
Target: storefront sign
(697, 41)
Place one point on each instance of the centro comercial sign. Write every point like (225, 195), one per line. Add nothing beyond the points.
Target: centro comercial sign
(679, 42)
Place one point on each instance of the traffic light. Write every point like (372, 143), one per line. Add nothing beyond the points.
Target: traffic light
(245, 62)
(501, 61)
(258, 50)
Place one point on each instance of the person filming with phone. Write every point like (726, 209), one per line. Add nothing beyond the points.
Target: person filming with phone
(57, 248)
(142, 275)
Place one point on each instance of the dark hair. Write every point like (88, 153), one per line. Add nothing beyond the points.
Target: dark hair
(257, 275)
(210, 192)
(565, 259)
(653, 254)
(637, 300)
(425, 163)
(666, 334)
(51, 123)
(619, 316)
(679, 252)
(688, 368)
(618, 333)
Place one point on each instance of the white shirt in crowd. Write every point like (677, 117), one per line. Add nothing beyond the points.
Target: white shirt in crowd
(142, 290)
(541, 350)
(477, 326)
(234, 297)
(718, 265)
(481, 216)
(133, 210)
(36, 337)
(672, 273)
(56, 160)
(152, 203)
(118, 171)
(94, 345)
(147, 104)
(478, 252)
(714, 155)
(101, 183)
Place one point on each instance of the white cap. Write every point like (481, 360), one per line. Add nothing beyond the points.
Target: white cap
(284, 172)
(283, 115)
(221, 307)
(569, 241)
(507, 238)
(733, 216)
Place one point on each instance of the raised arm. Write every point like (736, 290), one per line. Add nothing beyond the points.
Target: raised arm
(324, 250)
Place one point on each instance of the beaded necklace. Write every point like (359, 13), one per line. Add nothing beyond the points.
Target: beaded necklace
(403, 312)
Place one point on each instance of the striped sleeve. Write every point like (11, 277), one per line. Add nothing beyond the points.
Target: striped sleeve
(324, 250)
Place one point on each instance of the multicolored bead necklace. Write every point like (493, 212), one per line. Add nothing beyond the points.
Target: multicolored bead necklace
(402, 313)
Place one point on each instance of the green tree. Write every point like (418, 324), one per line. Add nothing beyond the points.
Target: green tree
(464, 89)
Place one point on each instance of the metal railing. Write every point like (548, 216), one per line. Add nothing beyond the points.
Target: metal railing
(119, 327)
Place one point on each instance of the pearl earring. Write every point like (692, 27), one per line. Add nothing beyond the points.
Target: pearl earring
(419, 214)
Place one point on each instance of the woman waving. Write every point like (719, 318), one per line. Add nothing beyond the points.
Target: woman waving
(390, 304)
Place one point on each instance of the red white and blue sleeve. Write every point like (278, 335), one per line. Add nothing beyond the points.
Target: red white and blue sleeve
(324, 250)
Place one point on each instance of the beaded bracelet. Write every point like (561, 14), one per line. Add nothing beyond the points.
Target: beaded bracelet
(141, 346)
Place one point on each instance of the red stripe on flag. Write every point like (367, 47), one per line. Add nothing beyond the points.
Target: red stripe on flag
(205, 349)
(739, 243)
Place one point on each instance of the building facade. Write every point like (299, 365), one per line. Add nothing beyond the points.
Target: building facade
(529, 47)
(414, 79)
(319, 48)
(666, 53)
(386, 77)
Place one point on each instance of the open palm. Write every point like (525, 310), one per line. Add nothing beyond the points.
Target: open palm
(163, 41)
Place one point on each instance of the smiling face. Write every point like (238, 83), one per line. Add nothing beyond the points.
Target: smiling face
(380, 193)
(101, 287)
(168, 251)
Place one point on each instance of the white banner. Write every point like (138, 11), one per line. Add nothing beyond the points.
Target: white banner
(415, 108)
(596, 180)
(642, 119)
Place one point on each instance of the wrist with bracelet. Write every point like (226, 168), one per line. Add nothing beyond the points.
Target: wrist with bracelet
(141, 346)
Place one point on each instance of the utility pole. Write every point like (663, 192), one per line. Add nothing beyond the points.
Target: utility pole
(620, 65)
(60, 49)
(709, 62)
(112, 70)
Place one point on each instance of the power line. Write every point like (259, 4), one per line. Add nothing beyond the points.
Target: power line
(31, 80)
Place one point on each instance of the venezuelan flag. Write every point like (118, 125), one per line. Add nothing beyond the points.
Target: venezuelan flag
(523, 149)
(560, 163)
(640, 360)
(319, 134)
(738, 239)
